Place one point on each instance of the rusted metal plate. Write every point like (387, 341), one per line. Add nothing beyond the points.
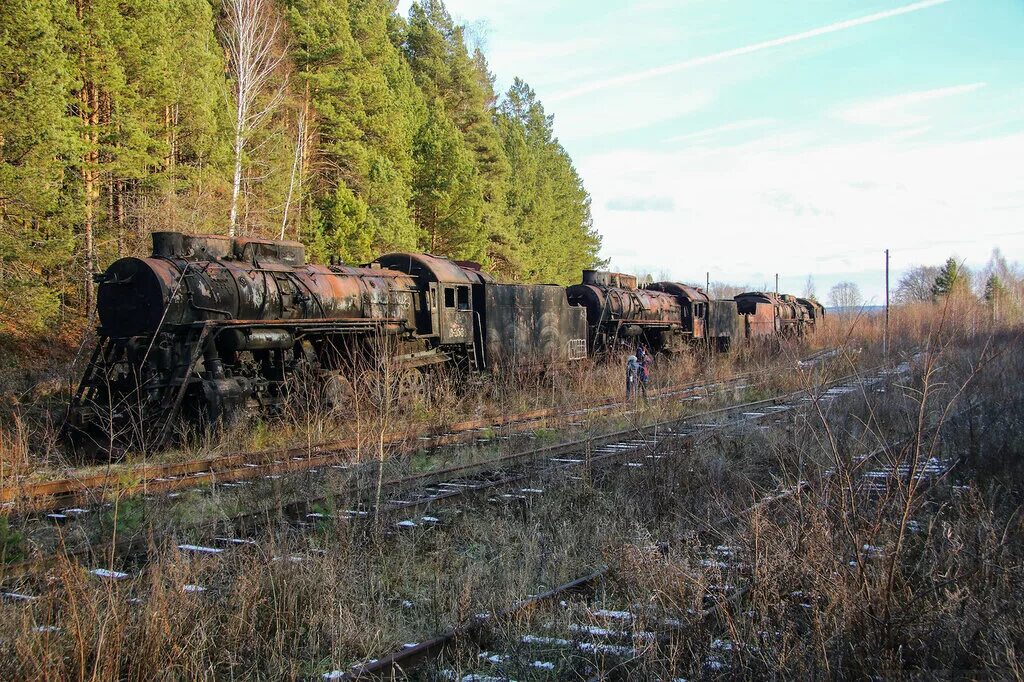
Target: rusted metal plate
(724, 320)
(759, 319)
(528, 325)
(430, 268)
(680, 290)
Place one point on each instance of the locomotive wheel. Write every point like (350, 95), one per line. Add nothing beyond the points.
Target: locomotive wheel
(411, 387)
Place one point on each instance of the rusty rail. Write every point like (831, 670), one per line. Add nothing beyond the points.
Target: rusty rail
(403, 661)
(237, 466)
(406, 660)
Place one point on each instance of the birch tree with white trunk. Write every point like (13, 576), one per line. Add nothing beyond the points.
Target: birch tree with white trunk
(250, 31)
(296, 178)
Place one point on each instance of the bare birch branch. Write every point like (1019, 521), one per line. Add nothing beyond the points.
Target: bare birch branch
(250, 30)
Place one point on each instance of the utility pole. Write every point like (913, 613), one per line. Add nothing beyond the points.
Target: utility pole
(707, 281)
(776, 284)
(885, 336)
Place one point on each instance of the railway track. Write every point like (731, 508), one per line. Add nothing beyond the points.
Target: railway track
(400, 494)
(588, 629)
(20, 498)
(432, 490)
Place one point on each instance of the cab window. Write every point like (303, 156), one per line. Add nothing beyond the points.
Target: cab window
(449, 298)
(463, 298)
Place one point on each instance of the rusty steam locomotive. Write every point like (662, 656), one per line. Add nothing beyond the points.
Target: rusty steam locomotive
(207, 326)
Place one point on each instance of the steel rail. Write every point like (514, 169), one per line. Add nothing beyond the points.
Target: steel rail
(151, 478)
(138, 546)
(409, 659)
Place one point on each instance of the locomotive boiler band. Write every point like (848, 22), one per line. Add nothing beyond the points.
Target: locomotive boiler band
(209, 326)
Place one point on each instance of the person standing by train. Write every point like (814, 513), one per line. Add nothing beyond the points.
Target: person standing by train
(644, 373)
(632, 375)
(643, 358)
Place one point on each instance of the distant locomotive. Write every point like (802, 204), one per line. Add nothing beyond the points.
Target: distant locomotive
(768, 314)
(617, 309)
(665, 316)
(209, 326)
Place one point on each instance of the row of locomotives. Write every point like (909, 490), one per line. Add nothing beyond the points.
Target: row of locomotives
(621, 315)
(768, 314)
(207, 327)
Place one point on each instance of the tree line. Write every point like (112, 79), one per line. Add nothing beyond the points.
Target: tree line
(336, 122)
(1000, 284)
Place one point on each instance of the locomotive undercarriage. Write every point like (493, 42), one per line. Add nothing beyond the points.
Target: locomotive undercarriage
(657, 339)
(135, 389)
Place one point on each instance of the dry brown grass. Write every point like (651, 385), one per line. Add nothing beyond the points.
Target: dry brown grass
(941, 595)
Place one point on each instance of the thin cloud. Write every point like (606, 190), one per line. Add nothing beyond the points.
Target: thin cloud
(725, 128)
(748, 49)
(898, 111)
(641, 204)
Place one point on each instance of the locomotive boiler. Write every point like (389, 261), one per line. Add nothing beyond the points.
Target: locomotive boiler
(621, 314)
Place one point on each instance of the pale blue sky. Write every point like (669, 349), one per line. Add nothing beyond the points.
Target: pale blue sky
(803, 137)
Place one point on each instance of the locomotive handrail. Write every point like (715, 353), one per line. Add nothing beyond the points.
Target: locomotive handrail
(298, 321)
(163, 316)
(480, 330)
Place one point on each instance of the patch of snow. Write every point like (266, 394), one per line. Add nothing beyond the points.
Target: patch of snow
(106, 573)
(200, 549)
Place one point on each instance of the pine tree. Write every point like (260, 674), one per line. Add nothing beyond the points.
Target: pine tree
(365, 111)
(952, 279)
(994, 289)
(548, 207)
(447, 202)
(395, 110)
(440, 61)
(37, 138)
(193, 124)
(121, 52)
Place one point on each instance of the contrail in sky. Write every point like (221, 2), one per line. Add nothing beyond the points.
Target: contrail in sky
(736, 52)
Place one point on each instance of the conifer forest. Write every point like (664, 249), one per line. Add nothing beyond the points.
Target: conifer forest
(338, 123)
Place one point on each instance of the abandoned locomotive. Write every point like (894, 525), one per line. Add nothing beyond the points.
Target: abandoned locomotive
(208, 325)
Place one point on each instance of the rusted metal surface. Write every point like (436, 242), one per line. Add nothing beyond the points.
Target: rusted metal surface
(619, 313)
(695, 307)
(680, 290)
(815, 310)
(531, 325)
(790, 316)
(432, 268)
(759, 319)
(724, 324)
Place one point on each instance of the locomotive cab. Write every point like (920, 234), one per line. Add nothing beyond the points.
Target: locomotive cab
(445, 310)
